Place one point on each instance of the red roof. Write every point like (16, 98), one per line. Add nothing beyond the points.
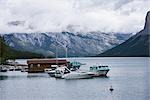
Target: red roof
(46, 61)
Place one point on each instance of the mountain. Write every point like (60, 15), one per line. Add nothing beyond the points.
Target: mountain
(78, 44)
(7, 52)
(137, 45)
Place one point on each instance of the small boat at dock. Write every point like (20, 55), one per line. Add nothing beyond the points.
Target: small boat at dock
(3, 68)
(51, 71)
(58, 70)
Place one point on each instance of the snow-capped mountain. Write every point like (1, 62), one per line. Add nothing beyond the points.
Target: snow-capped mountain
(78, 44)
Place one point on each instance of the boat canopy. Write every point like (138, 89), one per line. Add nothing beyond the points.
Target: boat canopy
(75, 63)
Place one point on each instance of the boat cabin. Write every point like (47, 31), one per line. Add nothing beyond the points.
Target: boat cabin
(38, 65)
(99, 68)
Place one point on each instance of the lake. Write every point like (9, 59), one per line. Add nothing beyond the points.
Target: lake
(129, 76)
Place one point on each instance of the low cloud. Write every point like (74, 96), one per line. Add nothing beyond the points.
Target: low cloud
(72, 15)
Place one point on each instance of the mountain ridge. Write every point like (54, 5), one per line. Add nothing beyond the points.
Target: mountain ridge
(78, 44)
(136, 46)
(7, 52)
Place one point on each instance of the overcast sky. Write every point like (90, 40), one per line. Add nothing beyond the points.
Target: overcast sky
(72, 15)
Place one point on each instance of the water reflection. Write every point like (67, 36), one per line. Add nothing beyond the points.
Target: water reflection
(21, 75)
(3, 77)
(37, 75)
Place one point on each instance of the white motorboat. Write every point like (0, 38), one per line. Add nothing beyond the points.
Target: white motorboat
(77, 75)
(60, 71)
(3, 68)
(64, 72)
(46, 70)
(99, 70)
(51, 71)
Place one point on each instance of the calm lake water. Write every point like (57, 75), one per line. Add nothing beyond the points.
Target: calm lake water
(130, 78)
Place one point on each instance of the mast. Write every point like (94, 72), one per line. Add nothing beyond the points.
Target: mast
(0, 52)
(66, 48)
(1, 49)
(56, 51)
(66, 51)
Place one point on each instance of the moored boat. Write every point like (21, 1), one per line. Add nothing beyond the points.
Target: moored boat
(77, 75)
(65, 73)
(60, 71)
(51, 71)
(47, 70)
(3, 68)
(99, 70)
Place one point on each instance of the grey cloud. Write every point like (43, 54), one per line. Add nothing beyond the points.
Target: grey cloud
(81, 15)
(121, 3)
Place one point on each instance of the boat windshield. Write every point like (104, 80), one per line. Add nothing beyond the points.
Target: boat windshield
(98, 67)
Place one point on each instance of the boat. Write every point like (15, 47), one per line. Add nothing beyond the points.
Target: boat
(77, 75)
(99, 70)
(65, 73)
(24, 69)
(46, 70)
(60, 71)
(74, 65)
(3, 68)
(17, 69)
(11, 69)
(51, 71)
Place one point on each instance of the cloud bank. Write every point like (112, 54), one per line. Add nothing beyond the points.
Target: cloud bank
(72, 15)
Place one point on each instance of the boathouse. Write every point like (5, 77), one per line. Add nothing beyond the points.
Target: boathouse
(38, 65)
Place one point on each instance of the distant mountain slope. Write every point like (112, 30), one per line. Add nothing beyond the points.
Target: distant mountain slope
(137, 45)
(7, 52)
(78, 44)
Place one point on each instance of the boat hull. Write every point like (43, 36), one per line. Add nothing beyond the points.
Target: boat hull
(3, 70)
(99, 73)
(77, 76)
